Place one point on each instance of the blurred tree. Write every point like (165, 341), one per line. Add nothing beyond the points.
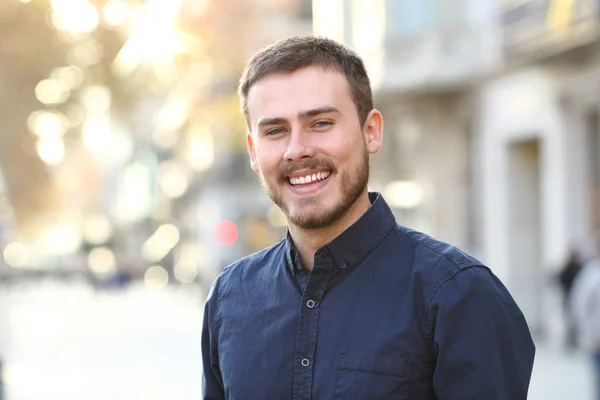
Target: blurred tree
(170, 69)
(31, 49)
(28, 50)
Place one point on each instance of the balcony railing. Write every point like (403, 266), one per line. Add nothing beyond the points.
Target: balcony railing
(441, 59)
(536, 29)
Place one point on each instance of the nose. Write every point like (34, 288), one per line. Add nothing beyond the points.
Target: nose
(299, 146)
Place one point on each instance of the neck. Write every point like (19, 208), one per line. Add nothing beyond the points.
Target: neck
(308, 241)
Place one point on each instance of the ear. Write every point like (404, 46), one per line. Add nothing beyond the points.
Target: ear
(251, 151)
(373, 131)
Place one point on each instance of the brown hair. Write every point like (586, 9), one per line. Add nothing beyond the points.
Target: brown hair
(296, 52)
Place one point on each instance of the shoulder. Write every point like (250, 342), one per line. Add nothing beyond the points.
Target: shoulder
(434, 262)
(449, 273)
(448, 281)
(429, 249)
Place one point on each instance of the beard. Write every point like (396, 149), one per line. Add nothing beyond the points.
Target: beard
(313, 214)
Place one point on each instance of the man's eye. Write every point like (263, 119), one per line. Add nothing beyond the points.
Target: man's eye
(274, 131)
(322, 124)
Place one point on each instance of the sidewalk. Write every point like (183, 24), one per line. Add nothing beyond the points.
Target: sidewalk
(558, 375)
(68, 343)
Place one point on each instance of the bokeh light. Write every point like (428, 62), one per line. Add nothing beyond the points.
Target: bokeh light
(50, 92)
(173, 178)
(71, 76)
(160, 243)
(74, 15)
(200, 154)
(86, 53)
(96, 99)
(96, 134)
(16, 254)
(102, 260)
(51, 150)
(226, 233)
(403, 194)
(116, 12)
(47, 124)
(97, 229)
(75, 115)
(61, 238)
(156, 277)
(185, 271)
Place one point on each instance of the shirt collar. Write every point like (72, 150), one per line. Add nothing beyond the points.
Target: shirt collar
(291, 253)
(356, 242)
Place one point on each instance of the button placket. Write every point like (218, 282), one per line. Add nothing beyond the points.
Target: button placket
(307, 331)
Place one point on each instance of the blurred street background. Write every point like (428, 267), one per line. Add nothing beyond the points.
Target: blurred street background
(125, 185)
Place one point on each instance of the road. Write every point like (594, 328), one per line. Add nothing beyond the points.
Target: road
(558, 376)
(66, 342)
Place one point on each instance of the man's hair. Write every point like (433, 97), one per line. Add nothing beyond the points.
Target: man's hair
(297, 52)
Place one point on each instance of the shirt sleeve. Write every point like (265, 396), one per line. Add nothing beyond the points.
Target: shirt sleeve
(481, 341)
(212, 383)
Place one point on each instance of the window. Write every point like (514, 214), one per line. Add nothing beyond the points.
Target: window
(409, 17)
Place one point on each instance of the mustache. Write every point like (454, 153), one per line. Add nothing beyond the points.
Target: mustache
(312, 163)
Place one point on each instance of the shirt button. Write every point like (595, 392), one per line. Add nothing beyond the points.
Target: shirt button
(343, 265)
(310, 304)
(305, 362)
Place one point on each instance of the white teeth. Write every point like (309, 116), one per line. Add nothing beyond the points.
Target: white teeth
(309, 178)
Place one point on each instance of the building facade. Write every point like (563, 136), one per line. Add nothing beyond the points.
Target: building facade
(492, 113)
(539, 141)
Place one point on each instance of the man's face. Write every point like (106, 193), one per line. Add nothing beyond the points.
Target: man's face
(308, 146)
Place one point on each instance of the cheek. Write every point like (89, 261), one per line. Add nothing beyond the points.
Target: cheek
(267, 162)
(347, 152)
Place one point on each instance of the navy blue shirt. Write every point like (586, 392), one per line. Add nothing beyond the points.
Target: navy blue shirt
(386, 313)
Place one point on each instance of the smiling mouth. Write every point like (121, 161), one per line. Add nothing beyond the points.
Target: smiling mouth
(309, 179)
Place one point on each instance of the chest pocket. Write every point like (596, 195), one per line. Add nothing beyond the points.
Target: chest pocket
(372, 377)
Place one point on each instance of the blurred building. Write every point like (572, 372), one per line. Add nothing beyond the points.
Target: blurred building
(539, 132)
(491, 135)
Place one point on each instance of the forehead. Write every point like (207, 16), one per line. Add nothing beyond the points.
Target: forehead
(284, 95)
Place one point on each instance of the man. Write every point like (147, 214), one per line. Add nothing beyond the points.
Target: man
(585, 303)
(350, 305)
(566, 277)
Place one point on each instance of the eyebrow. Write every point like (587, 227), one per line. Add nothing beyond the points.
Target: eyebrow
(302, 115)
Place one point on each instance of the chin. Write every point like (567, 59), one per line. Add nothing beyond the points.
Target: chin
(312, 217)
